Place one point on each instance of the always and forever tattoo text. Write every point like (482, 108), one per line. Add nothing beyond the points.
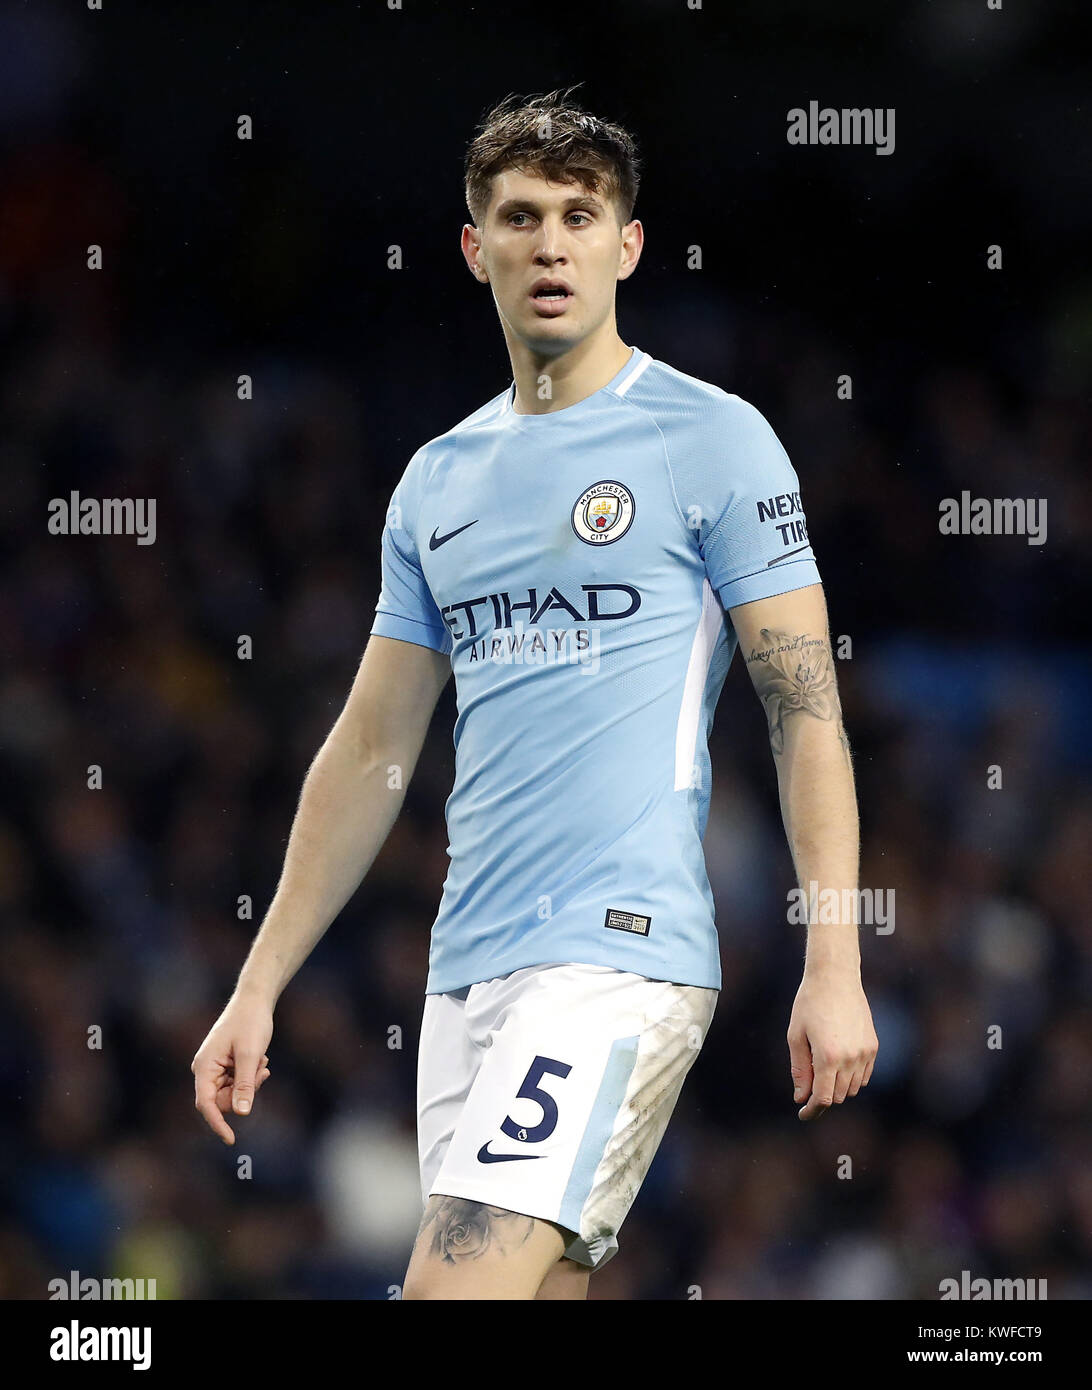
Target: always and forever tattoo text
(794, 673)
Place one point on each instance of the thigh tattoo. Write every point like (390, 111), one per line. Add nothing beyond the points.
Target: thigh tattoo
(458, 1229)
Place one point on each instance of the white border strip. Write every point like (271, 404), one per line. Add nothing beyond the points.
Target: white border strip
(638, 367)
(697, 672)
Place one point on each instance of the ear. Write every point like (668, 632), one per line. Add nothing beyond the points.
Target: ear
(633, 240)
(471, 243)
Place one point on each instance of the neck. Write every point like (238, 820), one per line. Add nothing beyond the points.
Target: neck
(547, 383)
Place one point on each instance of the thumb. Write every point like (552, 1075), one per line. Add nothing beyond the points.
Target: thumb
(800, 1066)
(246, 1074)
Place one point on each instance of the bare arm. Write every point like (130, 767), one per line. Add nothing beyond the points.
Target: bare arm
(786, 645)
(350, 799)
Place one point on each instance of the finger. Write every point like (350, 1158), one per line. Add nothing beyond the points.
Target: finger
(822, 1093)
(204, 1098)
(246, 1072)
(226, 1097)
(868, 1072)
(800, 1066)
(842, 1083)
(223, 1094)
(857, 1081)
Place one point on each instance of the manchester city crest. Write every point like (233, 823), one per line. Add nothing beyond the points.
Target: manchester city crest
(603, 513)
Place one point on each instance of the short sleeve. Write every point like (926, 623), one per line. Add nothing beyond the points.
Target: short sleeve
(756, 543)
(406, 609)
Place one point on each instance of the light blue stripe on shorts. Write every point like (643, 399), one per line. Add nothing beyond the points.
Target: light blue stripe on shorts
(597, 1132)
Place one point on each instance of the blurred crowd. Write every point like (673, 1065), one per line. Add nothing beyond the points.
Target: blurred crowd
(120, 905)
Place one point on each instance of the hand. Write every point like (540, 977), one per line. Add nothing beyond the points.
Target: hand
(832, 1042)
(231, 1063)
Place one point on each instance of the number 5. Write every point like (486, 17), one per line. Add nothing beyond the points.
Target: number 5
(531, 1091)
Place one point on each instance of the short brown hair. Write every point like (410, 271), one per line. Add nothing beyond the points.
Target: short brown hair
(551, 136)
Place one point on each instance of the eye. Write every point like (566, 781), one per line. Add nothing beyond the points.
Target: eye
(584, 215)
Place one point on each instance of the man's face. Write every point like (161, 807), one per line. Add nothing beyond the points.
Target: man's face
(552, 254)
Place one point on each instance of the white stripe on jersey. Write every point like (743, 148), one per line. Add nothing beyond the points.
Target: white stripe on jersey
(701, 653)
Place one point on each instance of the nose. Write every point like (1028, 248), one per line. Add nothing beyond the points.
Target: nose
(548, 250)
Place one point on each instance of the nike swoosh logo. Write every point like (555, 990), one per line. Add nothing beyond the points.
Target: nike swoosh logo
(484, 1156)
(435, 541)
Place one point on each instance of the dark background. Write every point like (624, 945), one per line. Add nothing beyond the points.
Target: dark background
(269, 257)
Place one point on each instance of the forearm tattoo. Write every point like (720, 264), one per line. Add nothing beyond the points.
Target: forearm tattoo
(462, 1230)
(794, 673)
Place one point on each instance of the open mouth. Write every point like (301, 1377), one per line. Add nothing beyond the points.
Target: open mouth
(546, 291)
(550, 296)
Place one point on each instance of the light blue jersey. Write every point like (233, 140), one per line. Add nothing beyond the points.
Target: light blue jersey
(577, 567)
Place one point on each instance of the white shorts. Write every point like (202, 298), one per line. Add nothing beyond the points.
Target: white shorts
(547, 1092)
